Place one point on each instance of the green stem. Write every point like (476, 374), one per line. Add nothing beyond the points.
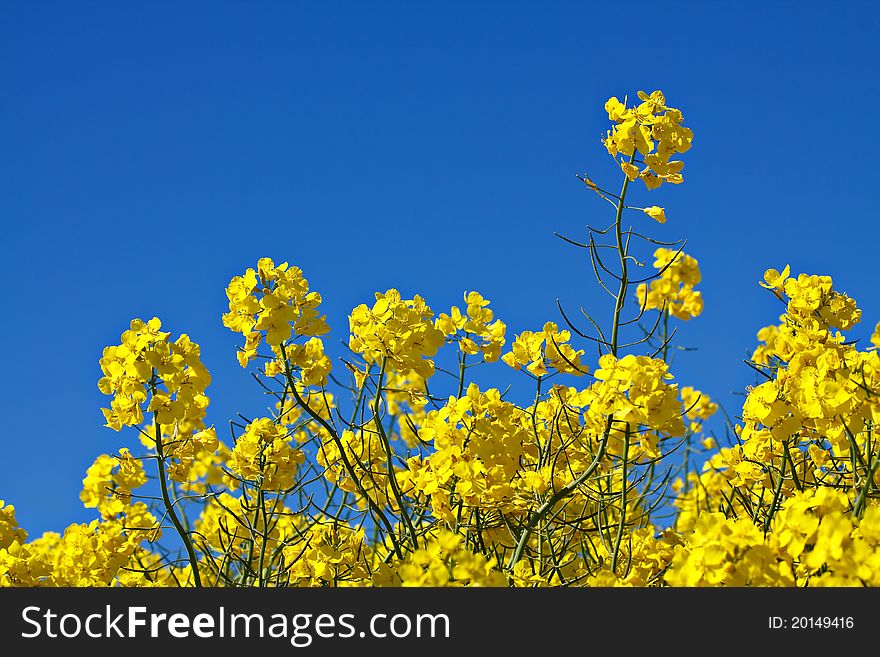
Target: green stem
(561, 494)
(624, 269)
(261, 498)
(461, 369)
(622, 523)
(390, 461)
(774, 504)
(169, 507)
(863, 494)
(665, 342)
(794, 477)
(567, 490)
(342, 455)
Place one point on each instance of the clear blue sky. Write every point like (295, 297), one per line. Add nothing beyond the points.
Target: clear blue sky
(150, 151)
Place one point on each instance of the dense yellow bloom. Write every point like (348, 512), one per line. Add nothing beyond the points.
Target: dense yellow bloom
(805, 428)
(446, 562)
(635, 390)
(272, 303)
(648, 552)
(651, 130)
(674, 290)
(85, 555)
(548, 348)
(821, 385)
(723, 551)
(170, 379)
(410, 473)
(476, 324)
(147, 373)
(814, 542)
(396, 331)
(330, 554)
(479, 443)
(109, 482)
(10, 532)
(263, 454)
(142, 361)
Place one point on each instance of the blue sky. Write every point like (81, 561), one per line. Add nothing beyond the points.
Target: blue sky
(150, 151)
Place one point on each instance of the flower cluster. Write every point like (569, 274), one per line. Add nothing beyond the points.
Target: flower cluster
(272, 303)
(357, 462)
(145, 361)
(90, 554)
(10, 532)
(541, 350)
(673, 291)
(820, 387)
(396, 331)
(698, 407)
(263, 454)
(109, 482)
(479, 443)
(815, 541)
(446, 562)
(330, 554)
(799, 480)
(650, 130)
(634, 391)
(169, 379)
(474, 331)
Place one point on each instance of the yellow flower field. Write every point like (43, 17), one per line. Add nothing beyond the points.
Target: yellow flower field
(389, 468)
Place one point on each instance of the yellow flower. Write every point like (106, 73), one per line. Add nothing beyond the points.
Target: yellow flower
(674, 290)
(272, 303)
(398, 331)
(631, 171)
(652, 130)
(548, 348)
(656, 213)
(775, 280)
